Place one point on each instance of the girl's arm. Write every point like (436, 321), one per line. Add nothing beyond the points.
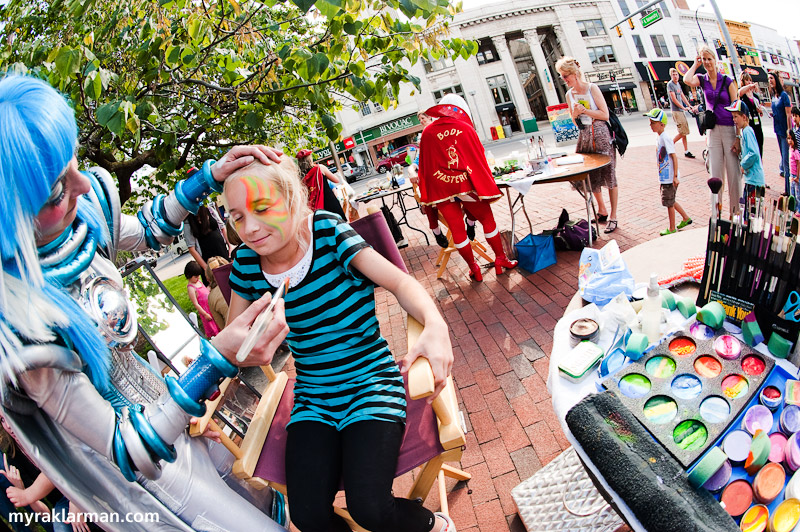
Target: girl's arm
(32, 496)
(434, 342)
(328, 175)
(691, 78)
(193, 297)
(237, 305)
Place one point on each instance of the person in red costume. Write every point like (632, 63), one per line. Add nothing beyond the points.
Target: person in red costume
(455, 177)
(315, 177)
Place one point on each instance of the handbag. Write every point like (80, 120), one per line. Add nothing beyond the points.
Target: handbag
(536, 252)
(509, 241)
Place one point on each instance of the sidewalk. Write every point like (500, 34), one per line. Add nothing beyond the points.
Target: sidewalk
(502, 329)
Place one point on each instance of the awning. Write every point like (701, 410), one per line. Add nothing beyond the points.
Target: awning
(659, 70)
(504, 107)
(757, 73)
(612, 87)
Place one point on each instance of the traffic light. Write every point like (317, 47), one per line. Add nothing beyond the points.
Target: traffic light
(619, 32)
(613, 78)
(630, 23)
(739, 50)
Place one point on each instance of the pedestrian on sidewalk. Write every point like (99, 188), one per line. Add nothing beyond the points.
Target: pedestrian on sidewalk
(720, 91)
(678, 104)
(668, 175)
(749, 159)
(748, 93)
(589, 111)
(781, 118)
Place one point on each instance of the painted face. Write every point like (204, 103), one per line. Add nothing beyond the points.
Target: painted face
(62, 205)
(260, 214)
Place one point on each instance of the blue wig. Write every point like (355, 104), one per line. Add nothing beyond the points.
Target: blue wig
(38, 137)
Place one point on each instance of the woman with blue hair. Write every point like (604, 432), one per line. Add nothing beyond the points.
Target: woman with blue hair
(105, 428)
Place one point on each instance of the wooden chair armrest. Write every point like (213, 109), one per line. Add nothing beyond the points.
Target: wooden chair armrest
(211, 407)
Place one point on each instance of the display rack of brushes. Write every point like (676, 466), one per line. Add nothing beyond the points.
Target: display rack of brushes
(752, 267)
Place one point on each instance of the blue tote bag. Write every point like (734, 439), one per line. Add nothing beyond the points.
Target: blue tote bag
(536, 252)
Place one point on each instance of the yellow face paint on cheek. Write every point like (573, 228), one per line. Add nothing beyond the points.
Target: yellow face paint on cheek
(265, 203)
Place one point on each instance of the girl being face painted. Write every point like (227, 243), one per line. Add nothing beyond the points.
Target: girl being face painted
(259, 212)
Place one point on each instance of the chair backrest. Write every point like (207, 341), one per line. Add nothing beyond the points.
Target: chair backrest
(375, 231)
(222, 274)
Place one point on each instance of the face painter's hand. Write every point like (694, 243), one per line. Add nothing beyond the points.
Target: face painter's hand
(231, 337)
(240, 156)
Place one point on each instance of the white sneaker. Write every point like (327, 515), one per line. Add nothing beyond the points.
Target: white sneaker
(451, 526)
(402, 244)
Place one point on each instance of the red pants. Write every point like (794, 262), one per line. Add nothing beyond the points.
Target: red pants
(480, 211)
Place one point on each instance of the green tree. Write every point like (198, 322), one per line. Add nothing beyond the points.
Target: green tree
(169, 82)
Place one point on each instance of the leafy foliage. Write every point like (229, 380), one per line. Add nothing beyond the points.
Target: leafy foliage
(165, 82)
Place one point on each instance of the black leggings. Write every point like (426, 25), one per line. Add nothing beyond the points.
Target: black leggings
(364, 455)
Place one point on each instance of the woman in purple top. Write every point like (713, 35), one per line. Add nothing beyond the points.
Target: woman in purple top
(719, 91)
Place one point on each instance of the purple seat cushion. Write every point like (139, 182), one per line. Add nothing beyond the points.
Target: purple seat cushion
(420, 440)
(221, 275)
(375, 232)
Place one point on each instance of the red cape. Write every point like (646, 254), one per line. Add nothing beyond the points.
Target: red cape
(315, 180)
(452, 162)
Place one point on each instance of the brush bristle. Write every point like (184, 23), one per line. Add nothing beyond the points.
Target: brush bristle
(791, 204)
(795, 225)
(715, 184)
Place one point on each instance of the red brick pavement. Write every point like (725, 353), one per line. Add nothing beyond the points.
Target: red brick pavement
(502, 329)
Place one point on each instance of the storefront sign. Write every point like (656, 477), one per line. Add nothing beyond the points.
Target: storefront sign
(752, 71)
(398, 125)
(349, 143)
(600, 76)
(374, 133)
(784, 75)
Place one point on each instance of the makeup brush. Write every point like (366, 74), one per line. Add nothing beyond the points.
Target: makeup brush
(715, 184)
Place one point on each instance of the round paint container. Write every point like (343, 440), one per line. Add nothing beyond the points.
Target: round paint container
(660, 409)
(757, 417)
(707, 366)
(682, 346)
(690, 435)
(584, 329)
(753, 365)
(791, 453)
(771, 397)
(735, 386)
(737, 446)
(719, 479)
(686, 386)
(790, 419)
(660, 367)
(778, 442)
(634, 385)
(727, 347)
(737, 497)
(701, 331)
(768, 483)
(715, 409)
(785, 517)
(755, 519)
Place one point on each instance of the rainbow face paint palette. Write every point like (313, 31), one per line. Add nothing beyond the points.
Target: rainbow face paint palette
(689, 388)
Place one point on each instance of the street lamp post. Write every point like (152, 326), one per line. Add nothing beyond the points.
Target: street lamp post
(477, 111)
(698, 22)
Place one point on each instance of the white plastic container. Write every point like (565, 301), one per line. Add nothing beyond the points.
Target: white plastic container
(650, 315)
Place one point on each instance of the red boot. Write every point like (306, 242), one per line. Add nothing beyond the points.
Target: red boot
(501, 261)
(475, 272)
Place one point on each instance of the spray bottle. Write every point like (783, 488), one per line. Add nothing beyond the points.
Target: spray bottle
(650, 314)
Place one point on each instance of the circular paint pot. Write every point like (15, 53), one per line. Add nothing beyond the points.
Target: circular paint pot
(735, 386)
(727, 347)
(785, 517)
(682, 346)
(771, 397)
(715, 409)
(686, 386)
(778, 442)
(719, 479)
(701, 331)
(757, 417)
(584, 329)
(790, 419)
(737, 497)
(660, 367)
(791, 453)
(768, 483)
(792, 490)
(755, 519)
(690, 435)
(737, 446)
(634, 385)
(660, 409)
(707, 366)
(753, 365)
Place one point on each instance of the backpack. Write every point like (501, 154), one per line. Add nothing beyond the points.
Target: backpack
(618, 136)
(571, 235)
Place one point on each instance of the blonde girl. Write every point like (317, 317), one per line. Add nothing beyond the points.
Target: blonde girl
(349, 405)
(590, 113)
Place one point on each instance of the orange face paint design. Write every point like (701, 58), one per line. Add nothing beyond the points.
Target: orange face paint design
(265, 202)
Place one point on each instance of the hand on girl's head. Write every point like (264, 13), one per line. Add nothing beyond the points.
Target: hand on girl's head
(241, 156)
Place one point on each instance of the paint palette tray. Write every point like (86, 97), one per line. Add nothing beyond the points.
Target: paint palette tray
(689, 388)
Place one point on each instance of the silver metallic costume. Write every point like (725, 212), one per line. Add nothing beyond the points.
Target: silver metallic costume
(88, 444)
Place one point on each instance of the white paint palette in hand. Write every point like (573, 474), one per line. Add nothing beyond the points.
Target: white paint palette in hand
(261, 322)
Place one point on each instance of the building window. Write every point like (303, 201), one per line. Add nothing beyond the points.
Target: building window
(591, 28)
(679, 45)
(378, 108)
(659, 45)
(499, 88)
(601, 54)
(664, 10)
(641, 3)
(637, 41)
(772, 57)
(623, 5)
(435, 65)
(437, 95)
(486, 52)
(366, 108)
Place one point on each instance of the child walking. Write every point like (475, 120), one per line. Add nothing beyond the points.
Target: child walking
(349, 404)
(749, 158)
(198, 294)
(667, 171)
